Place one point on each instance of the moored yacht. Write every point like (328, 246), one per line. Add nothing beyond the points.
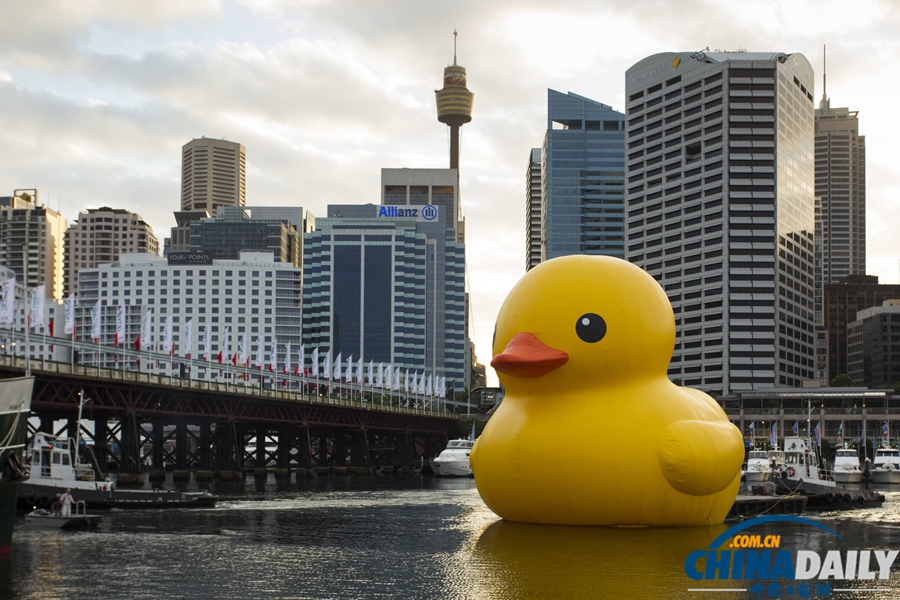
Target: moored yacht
(454, 460)
(846, 466)
(759, 468)
(886, 466)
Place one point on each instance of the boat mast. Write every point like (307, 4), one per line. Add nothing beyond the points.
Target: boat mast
(81, 402)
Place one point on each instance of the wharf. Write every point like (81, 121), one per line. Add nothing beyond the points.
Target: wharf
(751, 506)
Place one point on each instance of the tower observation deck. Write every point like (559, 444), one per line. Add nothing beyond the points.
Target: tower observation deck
(454, 104)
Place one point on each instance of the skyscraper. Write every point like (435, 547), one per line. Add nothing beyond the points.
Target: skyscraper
(32, 241)
(100, 235)
(840, 210)
(533, 210)
(721, 211)
(582, 178)
(213, 174)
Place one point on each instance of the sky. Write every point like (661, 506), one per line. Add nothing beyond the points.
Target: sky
(97, 98)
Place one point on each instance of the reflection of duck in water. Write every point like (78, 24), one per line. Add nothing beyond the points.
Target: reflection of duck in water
(522, 560)
(591, 431)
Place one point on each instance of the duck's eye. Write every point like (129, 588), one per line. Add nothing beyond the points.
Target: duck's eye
(590, 328)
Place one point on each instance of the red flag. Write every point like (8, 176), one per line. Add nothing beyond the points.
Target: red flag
(234, 359)
(284, 370)
(296, 369)
(272, 368)
(137, 344)
(50, 329)
(220, 357)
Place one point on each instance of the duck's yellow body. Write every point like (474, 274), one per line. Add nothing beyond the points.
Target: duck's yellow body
(591, 431)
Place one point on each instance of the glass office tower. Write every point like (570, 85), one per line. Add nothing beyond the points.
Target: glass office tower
(582, 179)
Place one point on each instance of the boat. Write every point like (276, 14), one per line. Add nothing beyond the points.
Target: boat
(53, 471)
(41, 517)
(846, 466)
(15, 407)
(886, 466)
(759, 468)
(454, 460)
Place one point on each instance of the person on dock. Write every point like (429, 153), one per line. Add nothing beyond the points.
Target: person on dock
(67, 502)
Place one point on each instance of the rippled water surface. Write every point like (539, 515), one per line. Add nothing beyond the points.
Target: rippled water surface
(387, 537)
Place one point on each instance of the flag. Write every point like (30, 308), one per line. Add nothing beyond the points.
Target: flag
(885, 434)
(145, 336)
(406, 382)
(273, 355)
(348, 376)
(188, 339)
(422, 384)
(38, 299)
(301, 360)
(206, 345)
(259, 353)
(224, 350)
(752, 433)
(371, 377)
(287, 359)
(840, 436)
(69, 306)
(472, 435)
(314, 362)
(96, 315)
(359, 371)
(168, 344)
(773, 437)
(379, 381)
(120, 326)
(242, 350)
(818, 435)
(326, 366)
(796, 428)
(338, 366)
(443, 387)
(396, 385)
(8, 301)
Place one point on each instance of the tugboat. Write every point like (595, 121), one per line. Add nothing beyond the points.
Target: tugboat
(15, 407)
(55, 468)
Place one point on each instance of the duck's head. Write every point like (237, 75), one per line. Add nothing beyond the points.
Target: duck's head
(582, 321)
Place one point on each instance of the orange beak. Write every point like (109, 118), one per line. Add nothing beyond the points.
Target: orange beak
(527, 357)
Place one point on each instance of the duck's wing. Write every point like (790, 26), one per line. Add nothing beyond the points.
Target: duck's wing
(700, 457)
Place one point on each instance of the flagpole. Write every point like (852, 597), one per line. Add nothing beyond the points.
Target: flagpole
(27, 324)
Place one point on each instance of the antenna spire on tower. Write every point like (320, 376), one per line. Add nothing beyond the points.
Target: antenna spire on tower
(454, 46)
(824, 79)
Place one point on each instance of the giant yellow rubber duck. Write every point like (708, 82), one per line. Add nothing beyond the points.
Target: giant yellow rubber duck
(591, 431)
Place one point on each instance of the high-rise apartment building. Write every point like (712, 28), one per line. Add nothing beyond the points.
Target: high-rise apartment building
(840, 210)
(100, 235)
(582, 178)
(533, 210)
(32, 242)
(721, 210)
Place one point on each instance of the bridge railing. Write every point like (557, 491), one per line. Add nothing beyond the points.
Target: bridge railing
(228, 378)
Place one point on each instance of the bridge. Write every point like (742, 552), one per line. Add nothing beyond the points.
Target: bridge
(154, 419)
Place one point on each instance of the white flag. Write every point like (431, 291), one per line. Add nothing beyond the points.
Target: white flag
(338, 368)
(225, 348)
(96, 316)
(145, 329)
(120, 326)
(406, 382)
(314, 363)
(422, 384)
(188, 339)
(359, 371)
(273, 355)
(379, 379)
(38, 298)
(349, 374)
(8, 301)
(428, 386)
(287, 359)
(69, 305)
(301, 361)
(242, 351)
(259, 353)
(397, 379)
(168, 345)
(388, 375)
(443, 387)
(371, 372)
(326, 370)
(207, 349)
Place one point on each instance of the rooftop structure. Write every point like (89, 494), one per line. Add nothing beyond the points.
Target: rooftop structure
(454, 104)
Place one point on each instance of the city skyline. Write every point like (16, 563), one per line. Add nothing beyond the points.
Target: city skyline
(97, 104)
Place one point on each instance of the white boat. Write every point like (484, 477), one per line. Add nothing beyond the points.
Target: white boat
(454, 460)
(846, 466)
(759, 468)
(886, 466)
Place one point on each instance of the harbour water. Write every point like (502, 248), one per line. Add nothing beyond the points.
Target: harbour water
(393, 537)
